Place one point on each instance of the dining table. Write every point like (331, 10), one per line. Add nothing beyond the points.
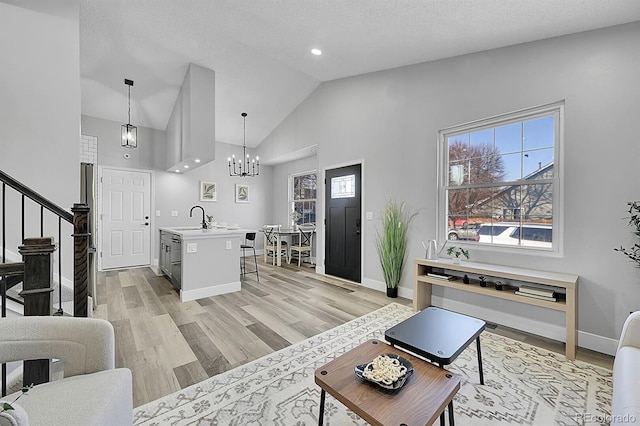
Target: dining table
(280, 233)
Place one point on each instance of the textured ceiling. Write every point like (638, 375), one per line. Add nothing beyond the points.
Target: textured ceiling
(260, 49)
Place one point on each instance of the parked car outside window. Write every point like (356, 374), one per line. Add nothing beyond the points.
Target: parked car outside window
(525, 235)
(464, 232)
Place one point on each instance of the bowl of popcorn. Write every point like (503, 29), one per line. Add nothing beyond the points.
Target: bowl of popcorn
(389, 371)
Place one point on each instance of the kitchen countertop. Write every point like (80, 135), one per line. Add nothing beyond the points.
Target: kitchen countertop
(192, 232)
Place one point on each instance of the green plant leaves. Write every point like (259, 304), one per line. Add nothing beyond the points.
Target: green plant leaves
(633, 253)
(391, 242)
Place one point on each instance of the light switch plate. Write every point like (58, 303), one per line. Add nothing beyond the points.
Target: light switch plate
(228, 245)
(369, 215)
(192, 247)
(157, 213)
(174, 213)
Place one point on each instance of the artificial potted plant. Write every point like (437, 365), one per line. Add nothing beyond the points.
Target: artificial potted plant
(391, 243)
(457, 252)
(295, 217)
(633, 253)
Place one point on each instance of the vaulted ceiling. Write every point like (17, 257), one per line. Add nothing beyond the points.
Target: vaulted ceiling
(260, 50)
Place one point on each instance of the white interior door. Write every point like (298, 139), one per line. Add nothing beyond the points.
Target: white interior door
(125, 214)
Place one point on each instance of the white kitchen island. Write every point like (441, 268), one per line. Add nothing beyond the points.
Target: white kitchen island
(201, 262)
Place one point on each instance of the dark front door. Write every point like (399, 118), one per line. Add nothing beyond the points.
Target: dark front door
(343, 221)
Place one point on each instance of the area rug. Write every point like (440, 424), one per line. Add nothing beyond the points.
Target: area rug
(523, 385)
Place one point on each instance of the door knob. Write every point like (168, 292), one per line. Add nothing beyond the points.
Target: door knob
(146, 224)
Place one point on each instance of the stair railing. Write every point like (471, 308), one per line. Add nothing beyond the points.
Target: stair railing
(36, 270)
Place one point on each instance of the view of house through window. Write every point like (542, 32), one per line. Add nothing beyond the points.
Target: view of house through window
(500, 179)
(303, 197)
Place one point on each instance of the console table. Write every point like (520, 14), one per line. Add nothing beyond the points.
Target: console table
(423, 284)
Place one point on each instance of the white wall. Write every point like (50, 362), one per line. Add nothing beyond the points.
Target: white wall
(40, 114)
(149, 154)
(40, 101)
(280, 195)
(179, 192)
(391, 120)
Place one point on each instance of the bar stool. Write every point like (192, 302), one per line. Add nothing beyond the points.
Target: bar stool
(249, 237)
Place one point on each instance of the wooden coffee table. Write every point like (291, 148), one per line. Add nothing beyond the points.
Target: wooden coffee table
(419, 402)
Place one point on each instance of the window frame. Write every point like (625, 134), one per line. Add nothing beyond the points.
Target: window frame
(291, 196)
(555, 109)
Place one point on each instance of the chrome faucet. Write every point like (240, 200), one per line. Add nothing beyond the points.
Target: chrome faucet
(204, 223)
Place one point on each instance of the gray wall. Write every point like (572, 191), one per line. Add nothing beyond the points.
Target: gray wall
(148, 155)
(179, 192)
(280, 195)
(390, 121)
(40, 116)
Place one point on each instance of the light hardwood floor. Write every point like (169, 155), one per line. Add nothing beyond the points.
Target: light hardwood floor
(169, 345)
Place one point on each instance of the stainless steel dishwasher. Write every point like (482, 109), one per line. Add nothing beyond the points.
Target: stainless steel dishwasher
(176, 261)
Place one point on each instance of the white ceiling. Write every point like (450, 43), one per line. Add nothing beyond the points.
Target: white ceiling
(260, 50)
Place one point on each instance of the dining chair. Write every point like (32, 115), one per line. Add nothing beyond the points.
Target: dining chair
(249, 243)
(305, 242)
(271, 235)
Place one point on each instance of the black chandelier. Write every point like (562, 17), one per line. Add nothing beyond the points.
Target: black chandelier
(244, 166)
(129, 131)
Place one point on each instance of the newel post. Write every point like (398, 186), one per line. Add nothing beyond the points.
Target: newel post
(80, 259)
(37, 255)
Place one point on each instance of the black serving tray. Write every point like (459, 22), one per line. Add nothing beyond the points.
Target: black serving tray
(359, 369)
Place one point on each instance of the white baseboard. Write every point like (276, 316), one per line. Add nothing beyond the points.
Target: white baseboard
(605, 345)
(381, 286)
(200, 293)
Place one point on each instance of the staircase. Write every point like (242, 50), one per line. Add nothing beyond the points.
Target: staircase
(23, 211)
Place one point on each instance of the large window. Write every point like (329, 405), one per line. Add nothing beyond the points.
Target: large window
(303, 197)
(499, 180)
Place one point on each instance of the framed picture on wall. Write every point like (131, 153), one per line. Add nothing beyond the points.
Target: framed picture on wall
(242, 193)
(208, 191)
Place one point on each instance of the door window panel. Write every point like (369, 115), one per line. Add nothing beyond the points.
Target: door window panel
(343, 186)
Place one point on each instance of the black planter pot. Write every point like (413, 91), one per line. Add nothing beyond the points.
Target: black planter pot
(392, 292)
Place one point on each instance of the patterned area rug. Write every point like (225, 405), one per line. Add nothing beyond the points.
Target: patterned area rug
(523, 385)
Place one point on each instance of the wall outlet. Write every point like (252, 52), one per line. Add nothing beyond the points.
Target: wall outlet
(174, 213)
(228, 245)
(369, 215)
(192, 247)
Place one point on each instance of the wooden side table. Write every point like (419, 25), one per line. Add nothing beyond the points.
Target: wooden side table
(420, 401)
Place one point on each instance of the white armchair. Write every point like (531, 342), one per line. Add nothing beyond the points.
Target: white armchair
(93, 391)
(626, 374)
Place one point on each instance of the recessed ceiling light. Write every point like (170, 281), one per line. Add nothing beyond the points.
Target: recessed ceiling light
(177, 171)
(186, 166)
(316, 52)
(197, 160)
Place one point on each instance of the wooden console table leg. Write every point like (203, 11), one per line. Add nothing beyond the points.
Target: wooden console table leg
(421, 290)
(572, 332)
